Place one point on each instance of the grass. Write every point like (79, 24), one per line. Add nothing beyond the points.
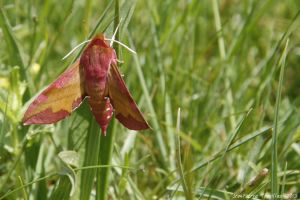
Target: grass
(218, 82)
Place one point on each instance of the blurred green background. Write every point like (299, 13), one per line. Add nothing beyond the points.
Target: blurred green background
(218, 82)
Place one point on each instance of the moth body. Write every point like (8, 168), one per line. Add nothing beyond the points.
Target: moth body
(95, 62)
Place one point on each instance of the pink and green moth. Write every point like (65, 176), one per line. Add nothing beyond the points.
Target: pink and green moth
(94, 76)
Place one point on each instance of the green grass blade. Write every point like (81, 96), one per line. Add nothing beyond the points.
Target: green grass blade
(41, 186)
(116, 25)
(237, 144)
(94, 135)
(284, 180)
(221, 41)
(87, 16)
(62, 189)
(274, 165)
(27, 185)
(186, 190)
(106, 145)
(222, 52)
(105, 154)
(100, 20)
(236, 131)
(14, 164)
(253, 15)
(255, 182)
(90, 158)
(98, 24)
(23, 189)
(170, 132)
(154, 118)
(15, 51)
(3, 107)
(210, 193)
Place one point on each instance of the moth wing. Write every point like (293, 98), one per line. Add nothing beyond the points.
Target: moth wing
(58, 100)
(125, 107)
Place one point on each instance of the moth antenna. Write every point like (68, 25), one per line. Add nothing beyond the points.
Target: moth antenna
(112, 40)
(123, 45)
(75, 48)
(114, 35)
(120, 61)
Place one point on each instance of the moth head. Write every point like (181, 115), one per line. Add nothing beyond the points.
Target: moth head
(98, 53)
(99, 40)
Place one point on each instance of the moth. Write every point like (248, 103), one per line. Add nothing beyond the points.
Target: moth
(94, 76)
